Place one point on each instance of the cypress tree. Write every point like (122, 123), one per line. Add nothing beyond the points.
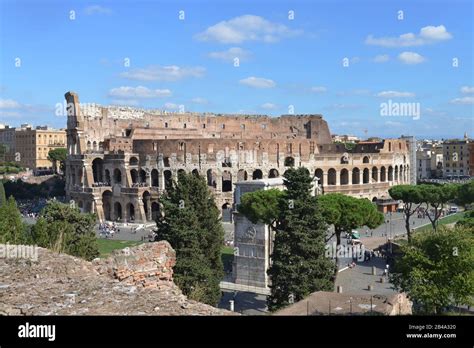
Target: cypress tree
(190, 223)
(3, 198)
(299, 265)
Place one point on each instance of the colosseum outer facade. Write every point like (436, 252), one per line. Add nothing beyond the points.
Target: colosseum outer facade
(121, 159)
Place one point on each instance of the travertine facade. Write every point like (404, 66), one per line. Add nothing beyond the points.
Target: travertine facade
(121, 159)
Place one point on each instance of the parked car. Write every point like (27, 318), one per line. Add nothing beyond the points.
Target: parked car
(453, 210)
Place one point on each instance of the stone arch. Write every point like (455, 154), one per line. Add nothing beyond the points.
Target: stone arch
(142, 176)
(257, 174)
(146, 198)
(390, 173)
(374, 200)
(211, 178)
(180, 172)
(375, 174)
(355, 176)
(344, 160)
(89, 145)
(226, 212)
(107, 204)
(195, 172)
(117, 176)
(168, 179)
(155, 210)
(366, 176)
(366, 159)
(154, 178)
(242, 175)
(98, 169)
(396, 173)
(319, 173)
(344, 177)
(332, 176)
(131, 212)
(289, 161)
(107, 177)
(134, 176)
(226, 181)
(273, 173)
(133, 161)
(383, 174)
(94, 146)
(118, 211)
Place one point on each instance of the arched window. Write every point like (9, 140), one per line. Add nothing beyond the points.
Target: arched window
(355, 176)
(117, 176)
(257, 174)
(344, 177)
(332, 176)
(226, 181)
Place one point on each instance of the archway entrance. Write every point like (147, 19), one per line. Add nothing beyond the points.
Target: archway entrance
(118, 211)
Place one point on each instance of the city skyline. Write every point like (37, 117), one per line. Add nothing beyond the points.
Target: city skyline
(291, 58)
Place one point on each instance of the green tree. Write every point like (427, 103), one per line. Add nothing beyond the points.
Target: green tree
(435, 197)
(412, 199)
(299, 266)
(58, 155)
(65, 229)
(466, 193)
(467, 220)
(3, 198)
(436, 269)
(190, 223)
(12, 229)
(347, 213)
(262, 206)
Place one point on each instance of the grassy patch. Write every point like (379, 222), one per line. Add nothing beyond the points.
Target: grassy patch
(227, 256)
(443, 221)
(106, 246)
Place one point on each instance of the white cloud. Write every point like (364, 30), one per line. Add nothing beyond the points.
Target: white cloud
(230, 54)
(258, 82)
(463, 101)
(268, 106)
(126, 92)
(246, 28)
(318, 89)
(171, 106)
(411, 58)
(467, 90)
(96, 9)
(395, 94)
(9, 104)
(428, 35)
(381, 58)
(199, 100)
(163, 73)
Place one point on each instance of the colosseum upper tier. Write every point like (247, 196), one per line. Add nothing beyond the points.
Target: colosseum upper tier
(121, 159)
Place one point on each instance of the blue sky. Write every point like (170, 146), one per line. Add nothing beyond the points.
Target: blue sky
(423, 56)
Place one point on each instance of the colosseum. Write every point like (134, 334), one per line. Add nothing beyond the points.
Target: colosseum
(121, 159)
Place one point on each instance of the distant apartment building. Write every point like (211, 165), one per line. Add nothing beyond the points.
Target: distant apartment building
(471, 158)
(345, 138)
(34, 144)
(456, 158)
(7, 140)
(429, 160)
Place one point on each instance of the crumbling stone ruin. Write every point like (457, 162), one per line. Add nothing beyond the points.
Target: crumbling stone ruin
(132, 281)
(121, 159)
